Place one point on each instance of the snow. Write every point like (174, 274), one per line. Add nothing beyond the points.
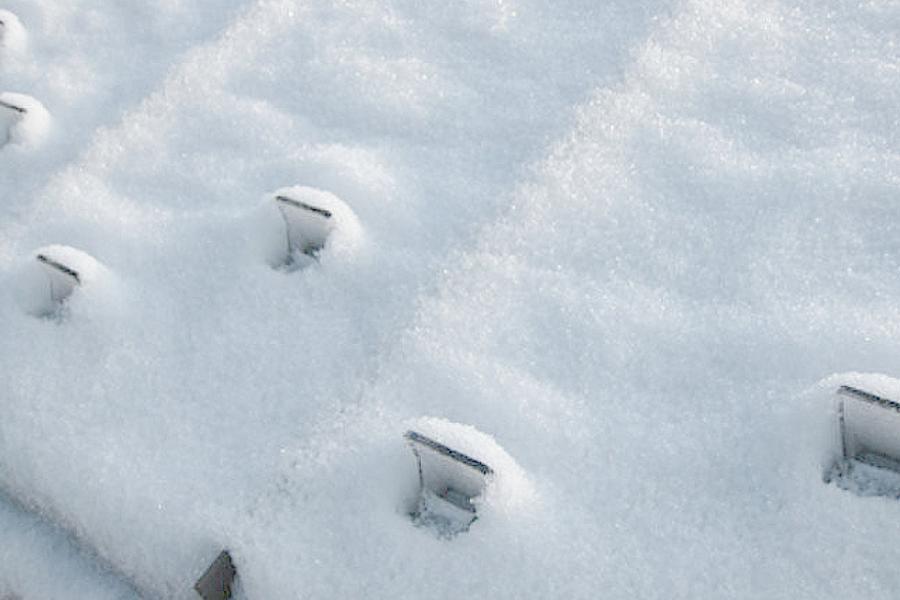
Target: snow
(45, 283)
(32, 550)
(623, 252)
(508, 488)
(23, 119)
(13, 37)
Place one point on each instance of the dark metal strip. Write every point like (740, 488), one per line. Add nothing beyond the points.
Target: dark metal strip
(19, 109)
(843, 425)
(879, 460)
(304, 206)
(59, 267)
(859, 394)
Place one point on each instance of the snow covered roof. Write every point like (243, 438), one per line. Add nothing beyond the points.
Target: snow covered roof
(614, 245)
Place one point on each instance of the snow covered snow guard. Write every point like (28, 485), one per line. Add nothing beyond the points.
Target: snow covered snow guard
(12, 34)
(313, 220)
(464, 476)
(46, 284)
(448, 483)
(23, 120)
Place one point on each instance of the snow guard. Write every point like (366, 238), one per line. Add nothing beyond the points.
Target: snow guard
(63, 278)
(869, 427)
(10, 114)
(308, 226)
(448, 482)
(217, 581)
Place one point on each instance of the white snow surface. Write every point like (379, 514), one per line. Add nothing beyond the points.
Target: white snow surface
(13, 37)
(630, 242)
(43, 561)
(24, 129)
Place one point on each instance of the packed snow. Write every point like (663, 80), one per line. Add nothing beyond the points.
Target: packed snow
(623, 252)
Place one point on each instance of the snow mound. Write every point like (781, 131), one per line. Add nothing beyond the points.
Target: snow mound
(58, 277)
(13, 37)
(24, 119)
(300, 219)
(508, 491)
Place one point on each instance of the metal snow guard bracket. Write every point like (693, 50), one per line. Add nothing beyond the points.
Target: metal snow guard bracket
(307, 226)
(63, 279)
(870, 428)
(448, 482)
(217, 581)
(869, 464)
(304, 206)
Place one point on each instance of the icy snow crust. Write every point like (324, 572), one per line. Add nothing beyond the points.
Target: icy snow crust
(624, 240)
